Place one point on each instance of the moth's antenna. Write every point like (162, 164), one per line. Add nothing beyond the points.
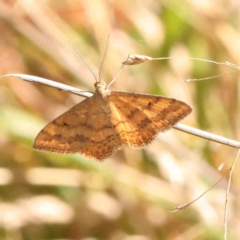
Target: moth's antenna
(95, 76)
(103, 61)
(120, 69)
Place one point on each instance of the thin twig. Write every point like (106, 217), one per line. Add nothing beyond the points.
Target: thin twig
(137, 59)
(77, 91)
(184, 206)
(118, 72)
(227, 193)
(207, 135)
(134, 59)
(208, 78)
(51, 83)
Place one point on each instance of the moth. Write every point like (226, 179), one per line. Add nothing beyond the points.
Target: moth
(99, 125)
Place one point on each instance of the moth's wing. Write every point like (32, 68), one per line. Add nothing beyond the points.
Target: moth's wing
(139, 117)
(84, 129)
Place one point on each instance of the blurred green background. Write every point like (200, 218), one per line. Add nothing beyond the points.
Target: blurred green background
(130, 195)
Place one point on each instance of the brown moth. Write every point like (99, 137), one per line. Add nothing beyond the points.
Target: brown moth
(105, 122)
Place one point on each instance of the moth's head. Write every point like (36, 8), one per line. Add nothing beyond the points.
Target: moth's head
(99, 85)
